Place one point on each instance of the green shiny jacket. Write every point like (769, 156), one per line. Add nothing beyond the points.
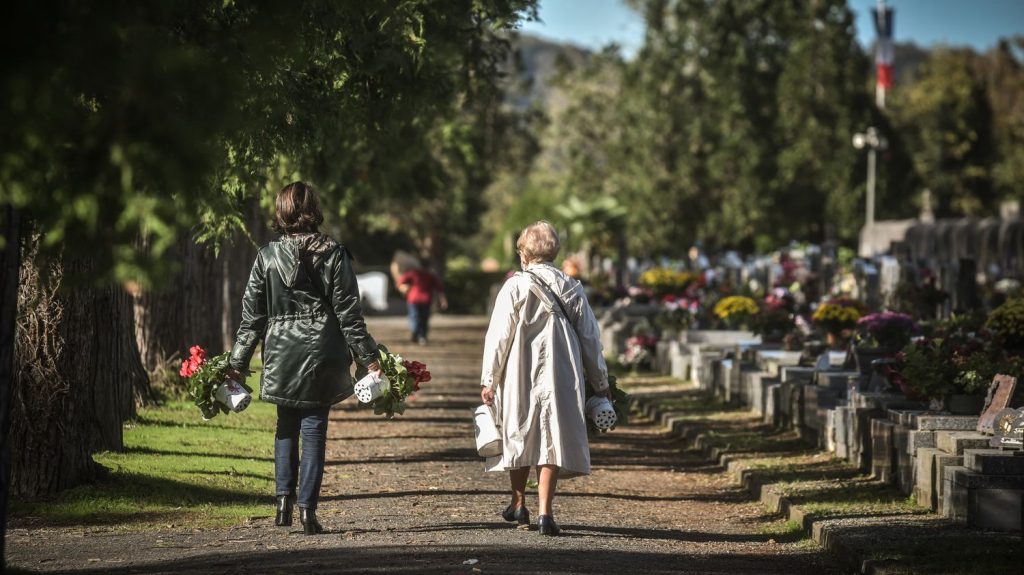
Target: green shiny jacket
(302, 304)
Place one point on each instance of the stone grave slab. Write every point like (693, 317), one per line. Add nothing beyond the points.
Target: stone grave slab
(883, 456)
(985, 501)
(994, 462)
(947, 422)
(721, 337)
(917, 439)
(773, 395)
(925, 492)
(955, 442)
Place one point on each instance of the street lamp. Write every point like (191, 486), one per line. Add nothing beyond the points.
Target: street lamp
(873, 141)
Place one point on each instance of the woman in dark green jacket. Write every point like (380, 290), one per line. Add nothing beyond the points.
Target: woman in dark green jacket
(302, 305)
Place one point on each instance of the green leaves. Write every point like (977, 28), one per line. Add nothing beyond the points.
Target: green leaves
(202, 386)
(124, 120)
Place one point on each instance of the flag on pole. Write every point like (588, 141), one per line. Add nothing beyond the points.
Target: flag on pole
(884, 51)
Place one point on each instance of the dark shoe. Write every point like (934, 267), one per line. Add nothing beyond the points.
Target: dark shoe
(285, 504)
(547, 526)
(520, 515)
(310, 526)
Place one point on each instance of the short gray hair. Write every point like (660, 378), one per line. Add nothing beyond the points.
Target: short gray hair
(538, 242)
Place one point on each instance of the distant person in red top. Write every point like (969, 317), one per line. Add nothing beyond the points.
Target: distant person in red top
(419, 286)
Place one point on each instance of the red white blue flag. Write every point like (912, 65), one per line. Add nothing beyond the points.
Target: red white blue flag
(884, 55)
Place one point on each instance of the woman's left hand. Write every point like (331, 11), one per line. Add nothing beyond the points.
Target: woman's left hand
(487, 396)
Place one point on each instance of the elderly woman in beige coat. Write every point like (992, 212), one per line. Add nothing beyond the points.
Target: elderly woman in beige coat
(542, 347)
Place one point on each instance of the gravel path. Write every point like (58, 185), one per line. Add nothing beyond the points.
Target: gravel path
(410, 496)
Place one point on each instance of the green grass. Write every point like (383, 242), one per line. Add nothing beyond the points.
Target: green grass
(177, 470)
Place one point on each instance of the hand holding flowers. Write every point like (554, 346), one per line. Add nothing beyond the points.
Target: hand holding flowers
(205, 377)
(399, 378)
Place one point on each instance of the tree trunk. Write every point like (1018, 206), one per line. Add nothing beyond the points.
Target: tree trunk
(10, 231)
(75, 371)
(201, 304)
(186, 311)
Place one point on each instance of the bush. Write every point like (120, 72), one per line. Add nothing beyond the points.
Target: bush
(1007, 323)
(469, 291)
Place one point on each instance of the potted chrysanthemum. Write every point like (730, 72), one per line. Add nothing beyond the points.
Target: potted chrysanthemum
(881, 335)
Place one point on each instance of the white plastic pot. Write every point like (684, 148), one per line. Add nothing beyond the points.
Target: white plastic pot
(233, 396)
(372, 386)
(601, 412)
(488, 442)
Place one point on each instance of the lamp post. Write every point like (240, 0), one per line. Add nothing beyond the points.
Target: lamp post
(873, 141)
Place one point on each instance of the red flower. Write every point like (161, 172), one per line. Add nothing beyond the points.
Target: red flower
(418, 372)
(197, 356)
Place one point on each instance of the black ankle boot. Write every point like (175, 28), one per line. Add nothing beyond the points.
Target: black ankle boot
(520, 515)
(285, 503)
(547, 526)
(310, 526)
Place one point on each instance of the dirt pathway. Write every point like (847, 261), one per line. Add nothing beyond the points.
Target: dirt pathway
(410, 496)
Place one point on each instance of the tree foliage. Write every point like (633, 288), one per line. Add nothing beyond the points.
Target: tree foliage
(731, 116)
(126, 119)
(947, 119)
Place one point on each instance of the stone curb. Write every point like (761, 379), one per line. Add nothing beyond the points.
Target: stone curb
(816, 528)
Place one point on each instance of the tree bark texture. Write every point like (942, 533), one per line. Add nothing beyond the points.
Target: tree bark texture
(10, 230)
(185, 311)
(76, 369)
(199, 305)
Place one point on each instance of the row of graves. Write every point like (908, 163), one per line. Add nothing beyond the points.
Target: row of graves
(927, 398)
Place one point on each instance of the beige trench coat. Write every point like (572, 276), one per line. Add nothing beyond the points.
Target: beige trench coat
(538, 361)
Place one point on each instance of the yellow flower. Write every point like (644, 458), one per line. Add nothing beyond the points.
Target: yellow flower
(735, 305)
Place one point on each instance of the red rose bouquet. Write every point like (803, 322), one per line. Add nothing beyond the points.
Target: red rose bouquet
(209, 386)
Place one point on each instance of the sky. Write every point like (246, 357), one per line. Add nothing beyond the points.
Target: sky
(977, 23)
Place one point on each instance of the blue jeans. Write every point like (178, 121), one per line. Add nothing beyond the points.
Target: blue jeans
(311, 426)
(419, 317)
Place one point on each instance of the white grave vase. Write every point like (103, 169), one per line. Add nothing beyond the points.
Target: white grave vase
(488, 441)
(601, 412)
(233, 396)
(372, 386)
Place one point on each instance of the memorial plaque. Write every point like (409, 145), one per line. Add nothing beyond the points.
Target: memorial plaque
(1009, 429)
(1000, 393)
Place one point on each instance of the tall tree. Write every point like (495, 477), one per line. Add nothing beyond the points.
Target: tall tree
(947, 120)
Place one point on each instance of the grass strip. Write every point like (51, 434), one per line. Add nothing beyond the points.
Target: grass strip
(176, 471)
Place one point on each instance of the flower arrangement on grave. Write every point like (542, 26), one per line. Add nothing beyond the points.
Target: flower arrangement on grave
(620, 402)
(887, 329)
(772, 323)
(1006, 322)
(956, 359)
(736, 310)
(665, 281)
(639, 294)
(639, 351)
(921, 300)
(401, 379)
(205, 377)
(675, 314)
(837, 315)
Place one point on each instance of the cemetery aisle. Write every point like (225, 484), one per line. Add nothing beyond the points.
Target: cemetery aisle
(410, 496)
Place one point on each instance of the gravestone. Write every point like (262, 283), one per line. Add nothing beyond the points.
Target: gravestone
(1000, 392)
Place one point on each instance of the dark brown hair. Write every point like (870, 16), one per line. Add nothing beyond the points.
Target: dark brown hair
(298, 209)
